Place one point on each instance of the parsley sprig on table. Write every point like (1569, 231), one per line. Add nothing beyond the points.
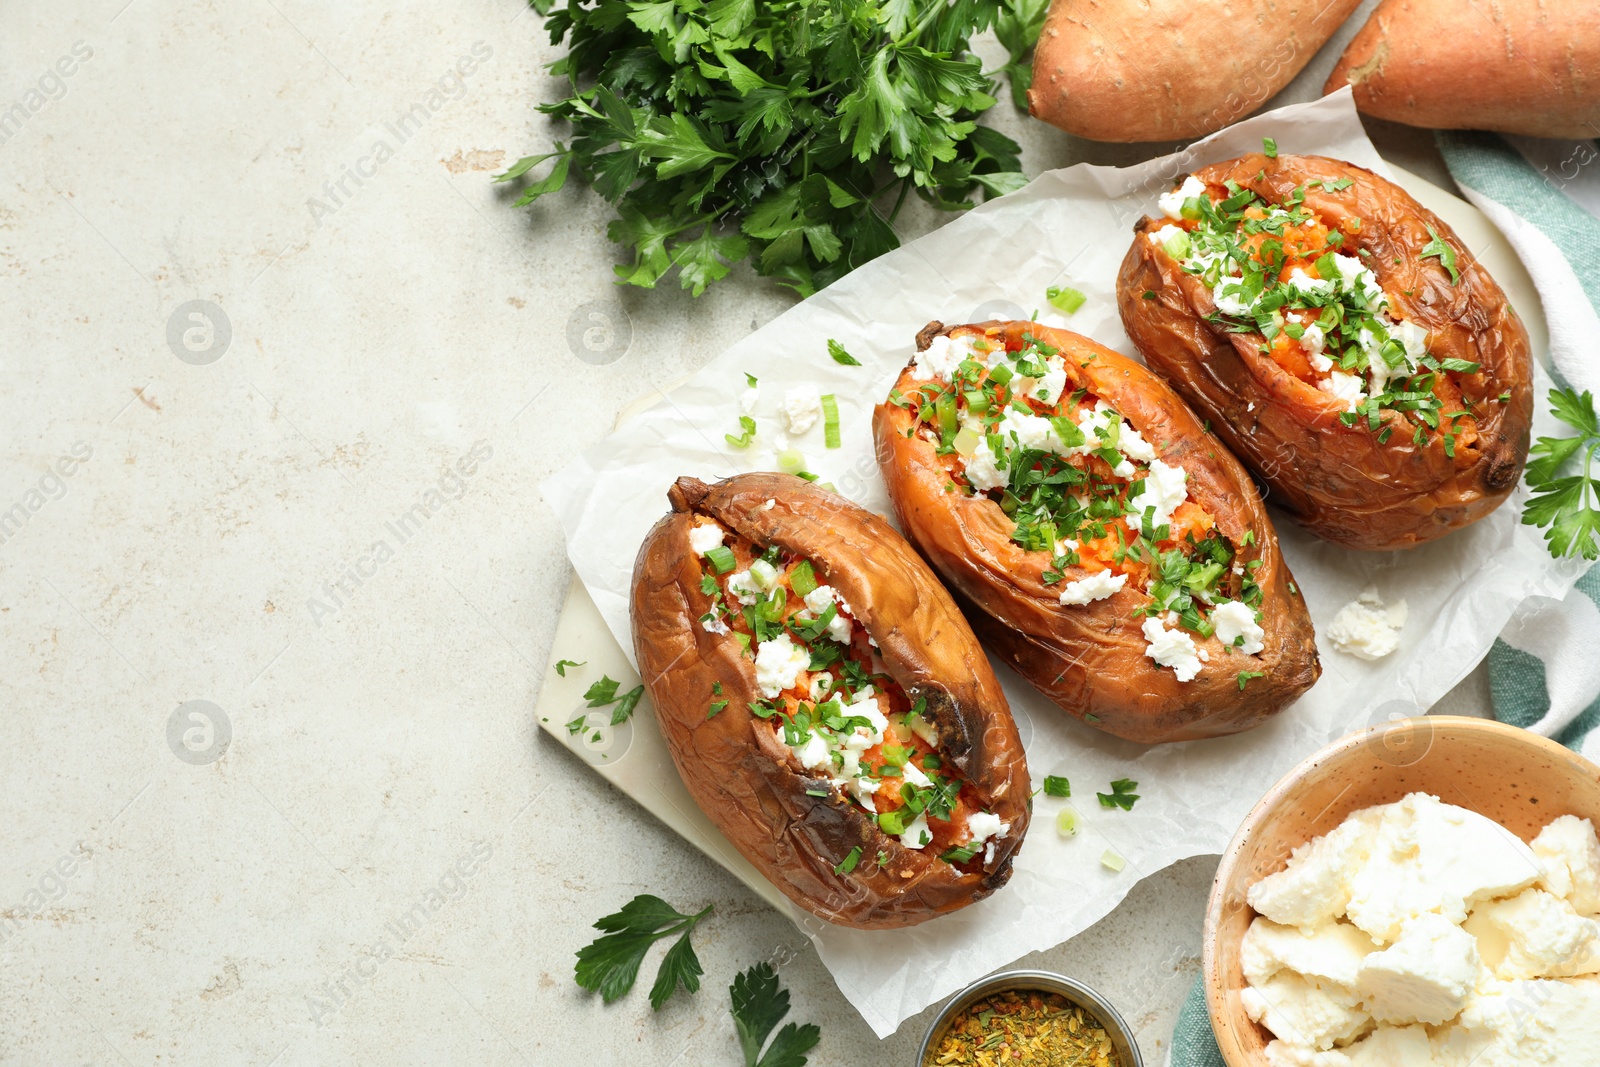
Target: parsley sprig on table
(759, 1004)
(610, 964)
(772, 129)
(1565, 504)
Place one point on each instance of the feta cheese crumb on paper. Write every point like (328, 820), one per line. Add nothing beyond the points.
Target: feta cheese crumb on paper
(749, 399)
(1365, 628)
(802, 407)
(1171, 648)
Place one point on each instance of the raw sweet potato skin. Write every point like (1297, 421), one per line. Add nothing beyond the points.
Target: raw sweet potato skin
(1090, 659)
(742, 776)
(1514, 66)
(1338, 481)
(1137, 70)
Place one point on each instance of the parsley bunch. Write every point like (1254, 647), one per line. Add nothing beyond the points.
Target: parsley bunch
(770, 129)
(1565, 504)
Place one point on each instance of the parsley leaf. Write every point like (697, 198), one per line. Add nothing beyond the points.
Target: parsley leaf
(1445, 254)
(1055, 786)
(784, 136)
(610, 964)
(759, 1004)
(624, 709)
(1565, 504)
(563, 664)
(602, 692)
(1122, 795)
(840, 356)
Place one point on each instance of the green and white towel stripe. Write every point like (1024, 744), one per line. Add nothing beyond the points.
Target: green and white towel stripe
(1544, 670)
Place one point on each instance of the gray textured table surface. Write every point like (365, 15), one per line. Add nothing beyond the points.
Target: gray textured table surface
(359, 850)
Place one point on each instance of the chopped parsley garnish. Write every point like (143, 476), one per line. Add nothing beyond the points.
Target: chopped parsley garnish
(610, 964)
(602, 692)
(575, 727)
(1057, 787)
(716, 706)
(624, 709)
(840, 356)
(848, 864)
(1122, 795)
(1246, 676)
(563, 664)
(1269, 148)
(1444, 253)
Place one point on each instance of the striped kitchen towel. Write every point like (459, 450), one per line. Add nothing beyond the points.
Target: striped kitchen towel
(1544, 670)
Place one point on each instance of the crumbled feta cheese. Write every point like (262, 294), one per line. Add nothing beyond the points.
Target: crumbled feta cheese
(1544, 936)
(1053, 384)
(1392, 1046)
(864, 789)
(802, 407)
(1365, 628)
(1332, 951)
(748, 400)
(913, 774)
(1096, 586)
(1315, 886)
(1236, 626)
(983, 825)
(820, 684)
(981, 471)
(779, 663)
(1288, 1054)
(714, 625)
(943, 355)
(1525, 1024)
(923, 729)
(1305, 1012)
(1345, 388)
(768, 506)
(1228, 295)
(1165, 487)
(1172, 203)
(1165, 234)
(1313, 340)
(1429, 856)
(916, 834)
(1570, 853)
(813, 752)
(1305, 283)
(817, 602)
(1424, 977)
(1171, 648)
(744, 587)
(1030, 431)
(704, 537)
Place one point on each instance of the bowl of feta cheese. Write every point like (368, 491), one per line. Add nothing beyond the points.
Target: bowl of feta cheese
(1423, 892)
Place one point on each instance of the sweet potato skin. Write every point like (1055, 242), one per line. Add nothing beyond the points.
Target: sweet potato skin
(1514, 66)
(1338, 481)
(1090, 659)
(1132, 70)
(731, 763)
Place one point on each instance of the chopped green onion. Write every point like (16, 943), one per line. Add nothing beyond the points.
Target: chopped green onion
(748, 425)
(721, 558)
(949, 418)
(966, 441)
(1068, 821)
(1176, 246)
(751, 380)
(790, 461)
(803, 579)
(893, 822)
(830, 421)
(1111, 861)
(1064, 298)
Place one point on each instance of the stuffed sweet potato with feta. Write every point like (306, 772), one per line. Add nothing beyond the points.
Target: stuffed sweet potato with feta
(825, 703)
(1342, 341)
(1108, 547)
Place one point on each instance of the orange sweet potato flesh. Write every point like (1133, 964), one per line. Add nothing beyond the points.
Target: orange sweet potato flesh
(1516, 66)
(744, 780)
(1133, 70)
(1090, 658)
(1338, 481)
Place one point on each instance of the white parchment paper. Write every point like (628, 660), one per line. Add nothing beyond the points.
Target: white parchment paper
(1068, 227)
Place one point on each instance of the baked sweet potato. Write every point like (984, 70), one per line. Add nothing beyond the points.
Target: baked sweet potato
(1132, 70)
(1342, 341)
(1105, 545)
(1516, 66)
(826, 704)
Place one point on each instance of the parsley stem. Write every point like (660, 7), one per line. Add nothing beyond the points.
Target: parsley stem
(905, 187)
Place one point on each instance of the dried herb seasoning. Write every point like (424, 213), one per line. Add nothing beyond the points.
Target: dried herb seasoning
(1024, 1028)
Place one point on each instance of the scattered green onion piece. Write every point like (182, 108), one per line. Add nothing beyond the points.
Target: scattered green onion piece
(803, 579)
(949, 419)
(790, 461)
(1064, 298)
(1176, 246)
(1111, 861)
(1068, 821)
(748, 425)
(840, 356)
(830, 421)
(966, 441)
(721, 558)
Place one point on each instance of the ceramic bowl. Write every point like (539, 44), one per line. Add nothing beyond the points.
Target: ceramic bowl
(1516, 778)
(1073, 991)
